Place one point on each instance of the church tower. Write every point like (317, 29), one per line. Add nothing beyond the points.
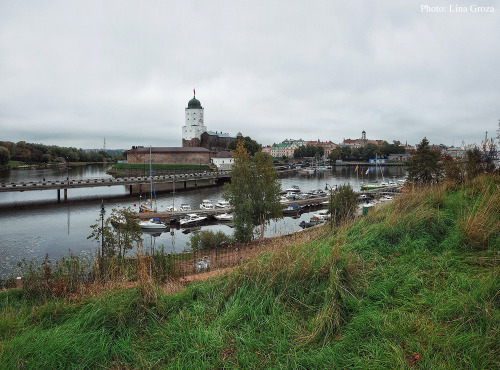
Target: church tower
(191, 132)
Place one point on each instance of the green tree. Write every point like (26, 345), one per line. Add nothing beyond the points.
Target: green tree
(453, 169)
(250, 145)
(334, 155)
(424, 167)
(127, 232)
(345, 153)
(265, 192)
(473, 163)
(253, 192)
(121, 232)
(342, 206)
(370, 151)
(4, 156)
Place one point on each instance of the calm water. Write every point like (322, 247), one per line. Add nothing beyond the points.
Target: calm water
(33, 224)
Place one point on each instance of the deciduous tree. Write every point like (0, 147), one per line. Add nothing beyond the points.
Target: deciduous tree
(342, 206)
(253, 192)
(424, 166)
(4, 156)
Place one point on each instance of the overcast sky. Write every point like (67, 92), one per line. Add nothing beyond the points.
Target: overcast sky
(75, 72)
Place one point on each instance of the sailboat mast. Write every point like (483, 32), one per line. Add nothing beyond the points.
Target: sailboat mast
(153, 191)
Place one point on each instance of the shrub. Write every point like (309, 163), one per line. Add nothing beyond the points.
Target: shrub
(207, 239)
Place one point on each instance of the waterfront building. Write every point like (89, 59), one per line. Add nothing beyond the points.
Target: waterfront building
(399, 157)
(267, 149)
(286, 148)
(223, 160)
(361, 142)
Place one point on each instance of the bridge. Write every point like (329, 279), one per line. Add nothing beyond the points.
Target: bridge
(68, 183)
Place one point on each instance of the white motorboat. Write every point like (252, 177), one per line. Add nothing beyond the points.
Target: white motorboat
(291, 195)
(293, 188)
(152, 223)
(185, 207)
(386, 198)
(224, 217)
(206, 204)
(171, 209)
(192, 219)
(321, 215)
(222, 204)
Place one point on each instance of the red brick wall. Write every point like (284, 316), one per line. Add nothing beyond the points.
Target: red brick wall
(169, 158)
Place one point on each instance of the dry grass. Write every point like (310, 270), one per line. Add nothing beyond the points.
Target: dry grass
(479, 221)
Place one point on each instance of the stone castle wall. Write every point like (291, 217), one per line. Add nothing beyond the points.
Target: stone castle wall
(169, 158)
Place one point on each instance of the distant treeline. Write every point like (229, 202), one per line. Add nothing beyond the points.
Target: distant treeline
(30, 153)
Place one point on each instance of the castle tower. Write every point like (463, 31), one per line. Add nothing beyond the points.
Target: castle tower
(363, 135)
(191, 132)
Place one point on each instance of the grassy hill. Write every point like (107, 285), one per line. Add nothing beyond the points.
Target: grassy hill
(414, 284)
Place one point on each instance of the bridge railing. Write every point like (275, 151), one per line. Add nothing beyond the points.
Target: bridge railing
(107, 180)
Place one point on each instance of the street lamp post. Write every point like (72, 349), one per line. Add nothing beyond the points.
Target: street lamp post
(330, 205)
(103, 211)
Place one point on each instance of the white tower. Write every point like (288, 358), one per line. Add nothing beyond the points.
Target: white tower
(191, 132)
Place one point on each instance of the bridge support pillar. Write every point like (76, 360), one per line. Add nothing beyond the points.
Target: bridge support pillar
(130, 189)
(58, 195)
(185, 185)
(65, 194)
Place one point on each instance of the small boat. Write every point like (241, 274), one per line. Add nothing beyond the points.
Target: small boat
(294, 189)
(363, 197)
(371, 186)
(185, 207)
(386, 198)
(222, 204)
(317, 193)
(224, 217)
(291, 195)
(321, 215)
(146, 207)
(171, 209)
(191, 219)
(307, 171)
(152, 223)
(311, 223)
(292, 209)
(206, 204)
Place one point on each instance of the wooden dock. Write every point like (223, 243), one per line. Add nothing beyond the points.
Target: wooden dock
(316, 202)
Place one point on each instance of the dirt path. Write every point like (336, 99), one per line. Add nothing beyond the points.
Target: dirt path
(206, 275)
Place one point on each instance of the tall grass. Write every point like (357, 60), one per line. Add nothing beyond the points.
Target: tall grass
(396, 289)
(479, 217)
